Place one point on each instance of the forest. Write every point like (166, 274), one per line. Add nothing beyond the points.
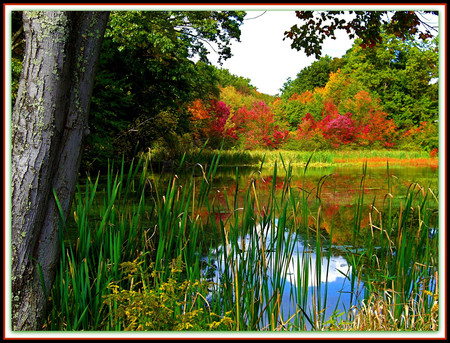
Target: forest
(378, 97)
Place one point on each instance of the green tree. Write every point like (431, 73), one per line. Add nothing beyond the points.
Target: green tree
(401, 74)
(147, 67)
(315, 75)
(240, 84)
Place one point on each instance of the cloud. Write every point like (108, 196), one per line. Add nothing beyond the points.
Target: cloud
(268, 60)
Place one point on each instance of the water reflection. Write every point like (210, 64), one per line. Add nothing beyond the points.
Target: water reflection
(322, 281)
(338, 193)
(315, 278)
(334, 269)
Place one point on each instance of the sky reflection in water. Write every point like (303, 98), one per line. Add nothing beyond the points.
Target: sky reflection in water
(338, 195)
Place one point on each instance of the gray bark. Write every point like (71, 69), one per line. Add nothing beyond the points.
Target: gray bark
(49, 121)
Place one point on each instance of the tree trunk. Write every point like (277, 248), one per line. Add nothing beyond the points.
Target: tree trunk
(49, 122)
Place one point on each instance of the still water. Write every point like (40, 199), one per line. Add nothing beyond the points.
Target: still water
(337, 190)
(327, 279)
(332, 195)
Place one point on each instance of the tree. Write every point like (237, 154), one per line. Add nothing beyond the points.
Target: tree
(402, 74)
(367, 25)
(257, 128)
(240, 84)
(146, 67)
(396, 76)
(49, 123)
(50, 118)
(311, 77)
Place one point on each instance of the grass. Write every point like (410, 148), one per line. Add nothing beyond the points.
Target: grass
(318, 158)
(399, 265)
(141, 254)
(376, 314)
(88, 265)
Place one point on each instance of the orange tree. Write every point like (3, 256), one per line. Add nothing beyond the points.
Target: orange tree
(257, 127)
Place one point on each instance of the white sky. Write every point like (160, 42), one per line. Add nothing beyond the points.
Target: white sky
(267, 60)
(262, 56)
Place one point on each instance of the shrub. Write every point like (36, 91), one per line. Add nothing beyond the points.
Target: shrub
(340, 129)
(152, 304)
(257, 128)
(424, 137)
(377, 131)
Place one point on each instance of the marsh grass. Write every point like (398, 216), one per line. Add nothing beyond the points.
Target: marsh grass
(376, 314)
(255, 260)
(144, 240)
(301, 158)
(399, 263)
(90, 263)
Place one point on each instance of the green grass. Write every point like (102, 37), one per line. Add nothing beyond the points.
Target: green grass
(130, 233)
(399, 263)
(295, 158)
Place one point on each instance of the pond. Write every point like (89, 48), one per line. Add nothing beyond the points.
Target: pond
(317, 275)
(312, 280)
(296, 244)
(336, 189)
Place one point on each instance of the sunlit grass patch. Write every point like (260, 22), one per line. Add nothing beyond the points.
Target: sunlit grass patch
(316, 158)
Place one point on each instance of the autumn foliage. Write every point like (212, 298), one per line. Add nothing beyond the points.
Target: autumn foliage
(257, 127)
(211, 120)
(248, 128)
(373, 129)
(341, 114)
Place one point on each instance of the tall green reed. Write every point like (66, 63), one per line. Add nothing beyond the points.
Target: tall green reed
(107, 234)
(399, 260)
(131, 217)
(259, 239)
(158, 223)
